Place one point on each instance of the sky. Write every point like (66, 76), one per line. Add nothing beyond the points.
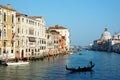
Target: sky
(85, 19)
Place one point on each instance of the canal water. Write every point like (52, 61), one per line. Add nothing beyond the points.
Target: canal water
(107, 67)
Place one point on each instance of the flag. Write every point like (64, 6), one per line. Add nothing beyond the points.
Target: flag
(13, 36)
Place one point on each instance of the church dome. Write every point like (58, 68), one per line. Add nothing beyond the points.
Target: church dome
(106, 35)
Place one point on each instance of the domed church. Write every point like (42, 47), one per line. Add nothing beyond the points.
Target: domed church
(102, 43)
(106, 35)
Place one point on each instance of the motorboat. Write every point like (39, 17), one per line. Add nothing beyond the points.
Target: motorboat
(17, 63)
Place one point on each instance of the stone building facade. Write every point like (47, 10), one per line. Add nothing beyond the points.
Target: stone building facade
(30, 36)
(65, 34)
(7, 31)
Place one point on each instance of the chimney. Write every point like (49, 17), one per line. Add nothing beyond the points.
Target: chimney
(8, 5)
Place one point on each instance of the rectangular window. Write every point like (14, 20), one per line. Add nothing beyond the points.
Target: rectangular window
(31, 31)
(4, 44)
(11, 51)
(12, 44)
(0, 51)
(22, 19)
(29, 50)
(12, 32)
(4, 51)
(27, 21)
(35, 50)
(18, 19)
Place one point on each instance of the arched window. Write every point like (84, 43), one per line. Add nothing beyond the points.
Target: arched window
(18, 43)
(18, 30)
(4, 32)
(4, 16)
(12, 18)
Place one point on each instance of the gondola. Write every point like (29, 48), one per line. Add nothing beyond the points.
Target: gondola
(84, 69)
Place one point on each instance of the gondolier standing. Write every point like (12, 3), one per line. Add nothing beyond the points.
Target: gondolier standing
(91, 63)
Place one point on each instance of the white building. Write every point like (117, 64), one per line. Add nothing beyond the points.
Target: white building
(64, 32)
(116, 35)
(115, 42)
(30, 35)
(116, 48)
(49, 43)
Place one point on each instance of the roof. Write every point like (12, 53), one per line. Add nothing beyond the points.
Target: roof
(30, 17)
(57, 27)
(21, 14)
(54, 32)
(34, 17)
(7, 8)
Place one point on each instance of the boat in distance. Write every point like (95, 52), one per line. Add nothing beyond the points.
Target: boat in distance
(17, 63)
(84, 69)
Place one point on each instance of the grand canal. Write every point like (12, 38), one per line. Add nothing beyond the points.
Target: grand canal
(107, 67)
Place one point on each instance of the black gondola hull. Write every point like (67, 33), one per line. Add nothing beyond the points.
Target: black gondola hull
(84, 69)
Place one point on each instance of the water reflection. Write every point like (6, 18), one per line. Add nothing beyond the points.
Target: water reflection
(90, 74)
(53, 68)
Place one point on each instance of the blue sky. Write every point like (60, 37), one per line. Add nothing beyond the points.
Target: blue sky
(86, 19)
